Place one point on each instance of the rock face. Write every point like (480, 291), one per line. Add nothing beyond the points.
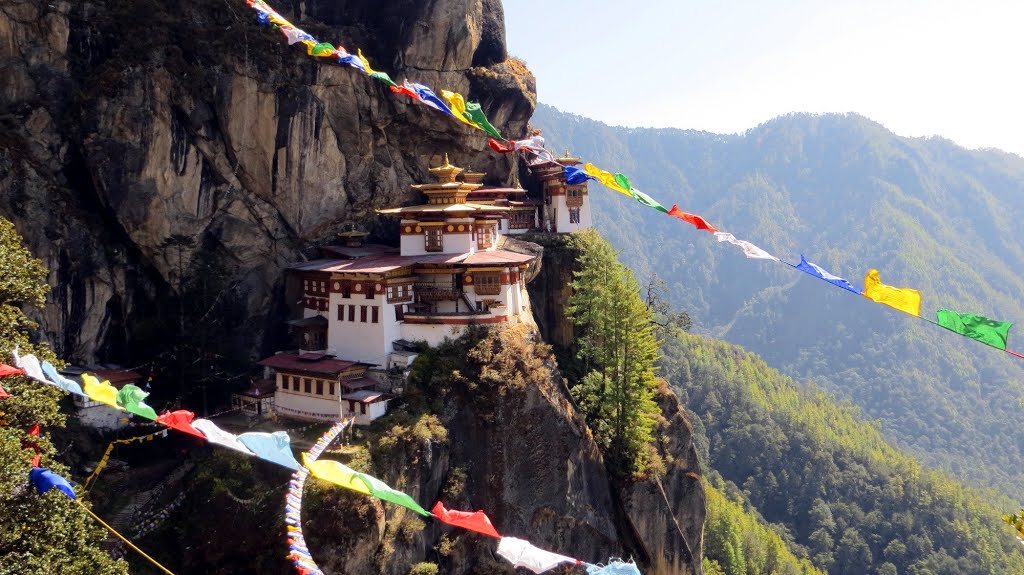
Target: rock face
(517, 448)
(128, 125)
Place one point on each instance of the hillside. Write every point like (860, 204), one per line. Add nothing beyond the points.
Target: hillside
(850, 195)
(856, 504)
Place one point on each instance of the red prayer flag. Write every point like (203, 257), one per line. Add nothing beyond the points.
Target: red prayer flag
(3, 393)
(34, 432)
(499, 147)
(475, 521)
(697, 221)
(6, 370)
(406, 91)
(180, 420)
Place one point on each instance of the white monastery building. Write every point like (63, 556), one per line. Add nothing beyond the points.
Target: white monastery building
(365, 303)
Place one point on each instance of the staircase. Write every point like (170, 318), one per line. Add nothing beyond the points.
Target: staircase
(128, 516)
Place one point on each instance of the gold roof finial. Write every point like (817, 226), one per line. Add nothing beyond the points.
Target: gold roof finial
(446, 173)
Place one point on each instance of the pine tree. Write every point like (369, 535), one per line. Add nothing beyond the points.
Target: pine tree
(618, 348)
(39, 535)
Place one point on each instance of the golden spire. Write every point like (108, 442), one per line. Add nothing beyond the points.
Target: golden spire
(446, 173)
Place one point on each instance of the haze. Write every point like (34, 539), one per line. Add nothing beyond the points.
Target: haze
(920, 68)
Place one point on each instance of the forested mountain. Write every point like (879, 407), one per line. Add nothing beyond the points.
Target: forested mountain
(851, 196)
(856, 504)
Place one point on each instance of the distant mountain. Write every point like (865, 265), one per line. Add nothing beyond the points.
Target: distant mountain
(850, 195)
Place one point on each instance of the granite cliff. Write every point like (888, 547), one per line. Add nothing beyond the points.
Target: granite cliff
(139, 138)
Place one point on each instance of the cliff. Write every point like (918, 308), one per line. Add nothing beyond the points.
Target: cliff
(142, 140)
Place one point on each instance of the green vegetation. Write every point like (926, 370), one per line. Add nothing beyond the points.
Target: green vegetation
(851, 196)
(423, 569)
(737, 542)
(618, 348)
(39, 535)
(857, 504)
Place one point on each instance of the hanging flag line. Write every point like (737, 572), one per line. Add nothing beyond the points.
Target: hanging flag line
(276, 448)
(298, 551)
(110, 447)
(988, 331)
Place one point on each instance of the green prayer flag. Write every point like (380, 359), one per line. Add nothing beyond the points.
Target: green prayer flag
(383, 77)
(380, 490)
(648, 201)
(133, 400)
(322, 49)
(981, 328)
(623, 182)
(476, 115)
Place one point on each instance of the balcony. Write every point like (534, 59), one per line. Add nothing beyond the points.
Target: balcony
(428, 292)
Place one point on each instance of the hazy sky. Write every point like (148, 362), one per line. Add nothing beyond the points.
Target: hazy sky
(951, 68)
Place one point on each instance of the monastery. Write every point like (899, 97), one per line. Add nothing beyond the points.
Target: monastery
(364, 307)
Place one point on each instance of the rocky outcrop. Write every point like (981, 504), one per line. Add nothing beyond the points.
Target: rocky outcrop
(126, 126)
(514, 445)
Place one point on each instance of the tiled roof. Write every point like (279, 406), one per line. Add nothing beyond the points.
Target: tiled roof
(326, 365)
(366, 396)
(353, 252)
(116, 377)
(442, 208)
(497, 257)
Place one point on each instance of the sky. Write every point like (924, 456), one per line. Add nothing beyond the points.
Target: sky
(949, 68)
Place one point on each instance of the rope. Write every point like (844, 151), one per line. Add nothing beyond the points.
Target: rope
(122, 538)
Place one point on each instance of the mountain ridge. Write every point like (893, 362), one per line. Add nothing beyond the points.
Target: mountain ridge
(851, 196)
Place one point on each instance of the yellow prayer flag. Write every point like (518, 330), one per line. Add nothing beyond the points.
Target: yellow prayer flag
(366, 63)
(904, 299)
(101, 392)
(336, 473)
(277, 19)
(458, 106)
(606, 178)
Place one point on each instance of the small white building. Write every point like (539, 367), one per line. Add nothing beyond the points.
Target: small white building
(319, 387)
(100, 415)
(566, 207)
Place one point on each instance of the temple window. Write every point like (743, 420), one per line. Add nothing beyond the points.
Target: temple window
(574, 215)
(487, 284)
(433, 239)
(484, 237)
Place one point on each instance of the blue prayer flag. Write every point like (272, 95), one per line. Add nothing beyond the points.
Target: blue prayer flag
(273, 447)
(575, 176)
(61, 381)
(430, 98)
(818, 272)
(44, 480)
(351, 60)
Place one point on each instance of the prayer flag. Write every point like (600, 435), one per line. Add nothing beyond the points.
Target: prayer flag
(102, 392)
(981, 328)
(750, 250)
(522, 554)
(3, 393)
(133, 400)
(428, 97)
(217, 435)
(613, 568)
(904, 299)
(475, 521)
(406, 89)
(366, 63)
(294, 35)
(475, 113)
(382, 491)
(273, 447)
(499, 147)
(576, 177)
(44, 480)
(819, 272)
(30, 364)
(645, 199)
(697, 221)
(607, 178)
(6, 370)
(383, 77)
(60, 381)
(321, 50)
(351, 61)
(457, 104)
(534, 144)
(336, 473)
(180, 420)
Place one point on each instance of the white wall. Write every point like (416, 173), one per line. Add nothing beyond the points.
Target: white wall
(306, 403)
(433, 334)
(101, 416)
(358, 341)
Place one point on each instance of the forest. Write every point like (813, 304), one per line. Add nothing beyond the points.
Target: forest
(851, 196)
